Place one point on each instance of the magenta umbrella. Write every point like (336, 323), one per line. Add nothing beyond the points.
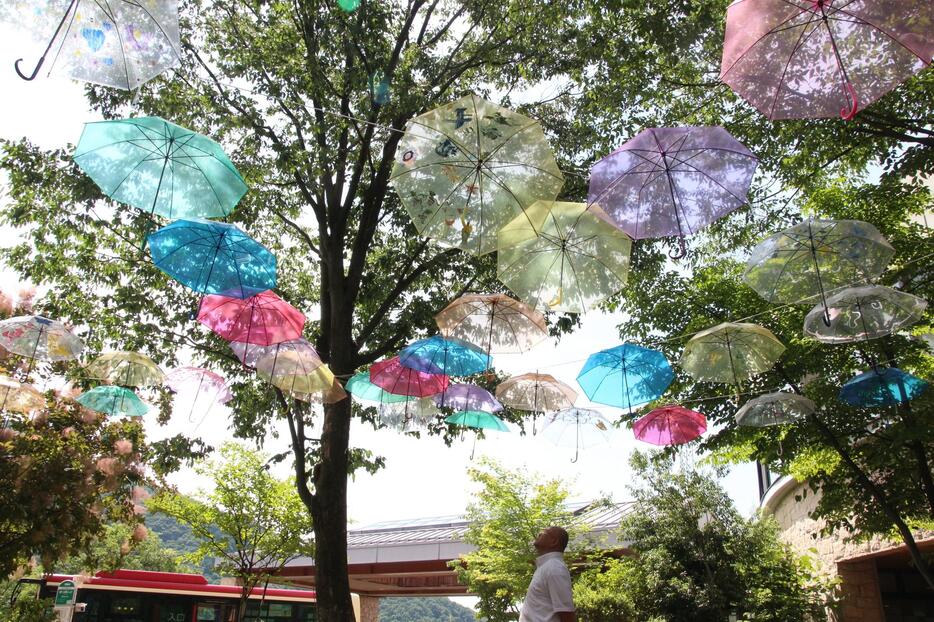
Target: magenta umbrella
(670, 425)
(672, 181)
(392, 376)
(263, 319)
(806, 59)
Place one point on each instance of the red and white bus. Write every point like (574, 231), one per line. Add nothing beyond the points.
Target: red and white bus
(143, 596)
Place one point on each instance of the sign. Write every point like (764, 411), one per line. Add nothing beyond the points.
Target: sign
(66, 594)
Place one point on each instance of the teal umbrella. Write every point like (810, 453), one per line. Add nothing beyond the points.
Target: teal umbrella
(160, 168)
(361, 388)
(113, 400)
(477, 419)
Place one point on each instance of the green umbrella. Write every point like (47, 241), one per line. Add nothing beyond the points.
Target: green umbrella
(127, 369)
(160, 168)
(863, 313)
(730, 352)
(466, 169)
(563, 256)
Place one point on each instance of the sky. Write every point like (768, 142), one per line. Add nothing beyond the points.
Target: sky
(423, 477)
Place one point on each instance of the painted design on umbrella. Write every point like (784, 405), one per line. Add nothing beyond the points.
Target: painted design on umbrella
(626, 376)
(392, 376)
(39, 338)
(806, 59)
(497, 323)
(563, 256)
(213, 258)
(815, 256)
(670, 425)
(579, 428)
(249, 354)
(863, 313)
(535, 393)
(160, 168)
(126, 369)
(20, 397)
(264, 319)
(117, 43)
(882, 387)
(114, 401)
(466, 169)
(451, 357)
(672, 181)
(774, 409)
(730, 353)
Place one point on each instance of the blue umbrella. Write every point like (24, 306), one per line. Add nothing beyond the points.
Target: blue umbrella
(882, 387)
(451, 357)
(626, 376)
(213, 258)
(113, 400)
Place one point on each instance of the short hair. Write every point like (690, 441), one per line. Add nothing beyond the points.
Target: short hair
(562, 536)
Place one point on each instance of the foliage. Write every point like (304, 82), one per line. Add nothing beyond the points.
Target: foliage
(29, 610)
(423, 610)
(123, 547)
(250, 522)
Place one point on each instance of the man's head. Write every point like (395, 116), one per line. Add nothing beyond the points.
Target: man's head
(550, 540)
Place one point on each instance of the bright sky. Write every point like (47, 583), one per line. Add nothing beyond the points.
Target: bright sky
(423, 477)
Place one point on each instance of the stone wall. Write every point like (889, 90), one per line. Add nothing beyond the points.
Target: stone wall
(369, 609)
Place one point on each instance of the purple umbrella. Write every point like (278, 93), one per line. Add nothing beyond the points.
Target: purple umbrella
(468, 398)
(672, 181)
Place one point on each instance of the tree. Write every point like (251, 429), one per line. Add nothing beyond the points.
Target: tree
(423, 610)
(251, 523)
(123, 547)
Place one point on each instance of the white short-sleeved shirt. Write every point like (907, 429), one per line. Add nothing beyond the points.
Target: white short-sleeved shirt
(549, 592)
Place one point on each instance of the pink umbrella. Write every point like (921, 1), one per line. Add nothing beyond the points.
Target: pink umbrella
(670, 425)
(392, 376)
(806, 59)
(199, 379)
(263, 319)
(250, 354)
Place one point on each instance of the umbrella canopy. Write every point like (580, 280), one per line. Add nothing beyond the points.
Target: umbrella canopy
(118, 43)
(670, 425)
(672, 181)
(468, 397)
(126, 369)
(437, 355)
(579, 428)
(478, 420)
(730, 352)
(263, 319)
(361, 388)
(535, 393)
(806, 59)
(19, 397)
(114, 401)
(863, 313)
(159, 168)
(815, 256)
(38, 337)
(774, 409)
(392, 376)
(496, 322)
(199, 380)
(249, 354)
(626, 376)
(882, 387)
(563, 256)
(213, 258)
(468, 168)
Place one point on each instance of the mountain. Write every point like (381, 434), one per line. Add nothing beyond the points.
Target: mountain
(423, 610)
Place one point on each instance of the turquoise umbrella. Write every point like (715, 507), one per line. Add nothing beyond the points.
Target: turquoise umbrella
(113, 400)
(361, 388)
(451, 357)
(477, 419)
(882, 387)
(213, 258)
(160, 168)
(626, 376)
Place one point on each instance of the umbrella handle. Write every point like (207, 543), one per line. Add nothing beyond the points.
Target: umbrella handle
(682, 249)
(35, 72)
(847, 115)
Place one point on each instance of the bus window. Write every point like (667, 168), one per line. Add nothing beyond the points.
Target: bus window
(209, 613)
(271, 612)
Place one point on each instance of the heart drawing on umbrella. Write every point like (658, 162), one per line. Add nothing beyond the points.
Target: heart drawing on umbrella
(94, 38)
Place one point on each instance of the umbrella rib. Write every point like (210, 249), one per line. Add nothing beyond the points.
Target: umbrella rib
(454, 139)
(158, 25)
(794, 50)
(858, 20)
(742, 201)
(780, 25)
(64, 37)
(109, 12)
(469, 165)
(509, 164)
(119, 142)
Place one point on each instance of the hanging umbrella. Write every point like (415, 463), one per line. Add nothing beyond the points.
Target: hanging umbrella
(626, 376)
(882, 387)
(118, 43)
(672, 181)
(863, 313)
(329, 395)
(361, 388)
(198, 379)
(263, 319)
(563, 256)
(249, 353)
(670, 425)
(730, 352)
(159, 168)
(495, 322)
(37, 337)
(535, 393)
(126, 369)
(437, 355)
(808, 59)
(295, 372)
(213, 258)
(408, 414)
(477, 419)
(815, 256)
(468, 397)
(774, 409)
(20, 397)
(468, 168)
(114, 401)
(579, 428)
(392, 376)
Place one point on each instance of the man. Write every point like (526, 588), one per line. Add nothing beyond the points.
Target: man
(549, 596)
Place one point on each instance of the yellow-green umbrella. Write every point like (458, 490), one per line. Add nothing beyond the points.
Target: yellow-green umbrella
(730, 352)
(19, 397)
(466, 169)
(127, 369)
(563, 256)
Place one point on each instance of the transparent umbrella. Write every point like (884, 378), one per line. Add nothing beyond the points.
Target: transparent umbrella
(126, 369)
(730, 353)
(863, 313)
(496, 323)
(579, 428)
(774, 409)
